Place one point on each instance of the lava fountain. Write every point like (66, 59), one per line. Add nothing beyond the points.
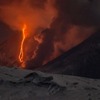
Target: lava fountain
(21, 54)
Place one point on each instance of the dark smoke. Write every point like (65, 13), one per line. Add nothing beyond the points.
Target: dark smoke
(79, 17)
(80, 12)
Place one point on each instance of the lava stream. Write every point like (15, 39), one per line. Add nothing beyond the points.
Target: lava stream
(21, 55)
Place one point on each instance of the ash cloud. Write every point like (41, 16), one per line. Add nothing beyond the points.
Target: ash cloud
(80, 12)
(32, 12)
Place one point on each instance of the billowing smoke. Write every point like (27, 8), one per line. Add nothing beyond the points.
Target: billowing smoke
(33, 13)
(63, 24)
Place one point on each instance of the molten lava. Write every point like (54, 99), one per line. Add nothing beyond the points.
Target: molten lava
(21, 55)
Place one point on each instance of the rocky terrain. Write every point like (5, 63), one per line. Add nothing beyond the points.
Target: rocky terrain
(20, 84)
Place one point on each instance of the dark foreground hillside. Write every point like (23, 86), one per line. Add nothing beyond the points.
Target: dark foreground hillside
(83, 60)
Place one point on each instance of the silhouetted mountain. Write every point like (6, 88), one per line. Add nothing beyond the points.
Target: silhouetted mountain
(82, 60)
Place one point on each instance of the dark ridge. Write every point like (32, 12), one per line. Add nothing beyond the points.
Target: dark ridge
(82, 60)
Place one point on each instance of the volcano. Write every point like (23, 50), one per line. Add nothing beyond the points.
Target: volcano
(82, 60)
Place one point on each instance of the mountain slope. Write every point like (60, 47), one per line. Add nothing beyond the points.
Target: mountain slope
(83, 60)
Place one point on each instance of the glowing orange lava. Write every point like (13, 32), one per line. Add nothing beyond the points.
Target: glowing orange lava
(21, 55)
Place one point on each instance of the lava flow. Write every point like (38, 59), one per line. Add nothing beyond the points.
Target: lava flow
(21, 55)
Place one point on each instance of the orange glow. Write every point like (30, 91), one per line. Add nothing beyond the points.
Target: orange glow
(39, 40)
(21, 55)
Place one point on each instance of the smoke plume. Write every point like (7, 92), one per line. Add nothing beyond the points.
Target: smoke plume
(33, 13)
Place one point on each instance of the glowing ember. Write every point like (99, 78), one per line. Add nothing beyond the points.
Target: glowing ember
(21, 55)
